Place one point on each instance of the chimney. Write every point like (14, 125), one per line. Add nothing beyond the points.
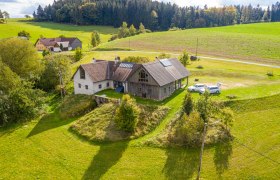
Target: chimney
(93, 60)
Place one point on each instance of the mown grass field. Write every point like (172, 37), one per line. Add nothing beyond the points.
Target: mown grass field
(254, 42)
(45, 148)
(50, 30)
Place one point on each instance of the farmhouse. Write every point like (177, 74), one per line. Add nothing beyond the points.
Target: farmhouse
(58, 44)
(155, 80)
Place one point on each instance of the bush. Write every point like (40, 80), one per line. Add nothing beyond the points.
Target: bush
(114, 37)
(189, 130)
(45, 53)
(200, 67)
(127, 114)
(270, 74)
(78, 54)
(24, 34)
(188, 104)
(55, 65)
(164, 56)
(76, 105)
(136, 59)
(22, 103)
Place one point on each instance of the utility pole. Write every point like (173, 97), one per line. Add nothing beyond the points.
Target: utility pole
(61, 84)
(201, 152)
(196, 47)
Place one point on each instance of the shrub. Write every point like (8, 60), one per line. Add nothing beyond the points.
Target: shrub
(164, 56)
(95, 38)
(184, 58)
(45, 53)
(199, 67)
(270, 74)
(136, 59)
(55, 65)
(188, 104)
(189, 130)
(114, 37)
(78, 54)
(231, 96)
(127, 114)
(24, 34)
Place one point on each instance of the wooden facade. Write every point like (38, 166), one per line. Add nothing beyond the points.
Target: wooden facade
(148, 87)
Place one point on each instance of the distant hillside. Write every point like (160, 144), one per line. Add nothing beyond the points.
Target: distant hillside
(259, 42)
(46, 29)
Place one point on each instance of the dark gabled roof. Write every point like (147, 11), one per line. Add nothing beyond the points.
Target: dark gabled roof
(99, 71)
(53, 41)
(163, 72)
(124, 71)
(167, 71)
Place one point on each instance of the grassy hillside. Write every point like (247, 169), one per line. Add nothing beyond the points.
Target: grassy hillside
(46, 149)
(258, 42)
(54, 30)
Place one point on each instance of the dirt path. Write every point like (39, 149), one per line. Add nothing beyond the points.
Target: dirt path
(213, 58)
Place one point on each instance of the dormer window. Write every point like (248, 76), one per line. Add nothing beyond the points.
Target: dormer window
(143, 76)
(82, 73)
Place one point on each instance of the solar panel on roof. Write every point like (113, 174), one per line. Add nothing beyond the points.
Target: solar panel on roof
(165, 62)
(126, 65)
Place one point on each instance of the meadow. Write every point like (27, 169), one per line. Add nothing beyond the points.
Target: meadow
(46, 147)
(255, 42)
(49, 30)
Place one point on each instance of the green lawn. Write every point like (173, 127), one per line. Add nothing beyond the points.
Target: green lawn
(46, 149)
(49, 30)
(255, 42)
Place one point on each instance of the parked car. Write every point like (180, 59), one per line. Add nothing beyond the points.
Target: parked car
(211, 90)
(197, 88)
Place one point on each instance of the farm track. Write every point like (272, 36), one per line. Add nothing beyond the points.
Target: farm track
(212, 58)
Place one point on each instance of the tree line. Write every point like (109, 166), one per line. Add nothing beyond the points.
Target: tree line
(153, 14)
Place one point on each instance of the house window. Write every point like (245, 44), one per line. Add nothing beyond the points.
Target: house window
(108, 84)
(164, 90)
(143, 76)
(82, 73)
(80, 85)
(86, 86)
(100, 86)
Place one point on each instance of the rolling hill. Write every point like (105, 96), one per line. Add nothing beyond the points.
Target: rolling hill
(48, 29)
(255, 42)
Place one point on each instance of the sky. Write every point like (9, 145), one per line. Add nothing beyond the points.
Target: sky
(18, 8)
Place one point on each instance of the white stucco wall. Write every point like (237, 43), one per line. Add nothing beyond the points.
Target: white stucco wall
(92, 87)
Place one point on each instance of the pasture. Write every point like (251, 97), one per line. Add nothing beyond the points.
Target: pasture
(46, 147)
(255, 42)
(48, 30)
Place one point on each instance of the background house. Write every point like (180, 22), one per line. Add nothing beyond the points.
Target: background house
(58, 44)
(156, 80)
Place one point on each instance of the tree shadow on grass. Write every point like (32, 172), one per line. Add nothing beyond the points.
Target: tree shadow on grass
(107, 156)
(222, 154)
(49, 121)
(72, 27)
(181, 163)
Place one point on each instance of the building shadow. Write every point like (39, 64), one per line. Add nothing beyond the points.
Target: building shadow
(221, 157)
(181, 163)
(107, 156)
